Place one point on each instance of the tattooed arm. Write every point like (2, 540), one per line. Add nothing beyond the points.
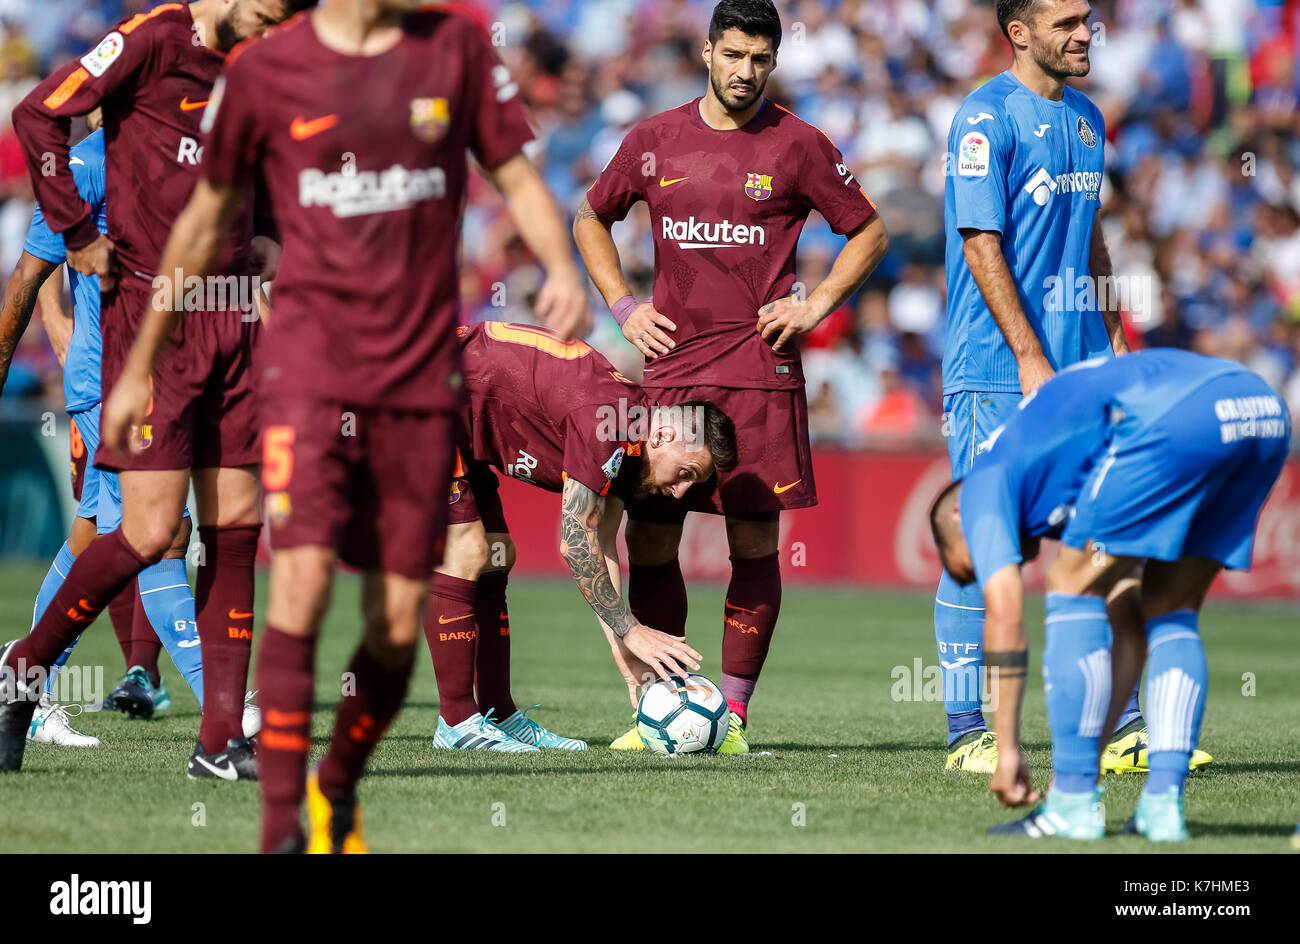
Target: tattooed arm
(20, 300)
(581, 514)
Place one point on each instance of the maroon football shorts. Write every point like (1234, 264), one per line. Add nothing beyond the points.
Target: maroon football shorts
(774, 469)
(476, 496)
(203, 413)
(368, 482)
(77, 453)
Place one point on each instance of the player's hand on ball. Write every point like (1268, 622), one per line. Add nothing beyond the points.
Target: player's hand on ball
(99, 258)
(563, 305)
(1034, 372)
(1011, 779)
(784, 318)
(665, 655)
(648, 330)
(124, 413)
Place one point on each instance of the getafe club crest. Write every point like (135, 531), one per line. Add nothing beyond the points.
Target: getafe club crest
(430, 118)
(758, 186)
(1086, 134)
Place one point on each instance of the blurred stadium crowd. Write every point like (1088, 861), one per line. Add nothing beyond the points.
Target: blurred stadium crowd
(1201, 202)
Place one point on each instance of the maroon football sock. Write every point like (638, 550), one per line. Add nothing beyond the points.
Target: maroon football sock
(285, 689)
(362, 718)
(121, 610)
(97, 575)
(493, 659)
(656, 594)
(145, 644)
(752, 606)
(453, 637)
(223, 603)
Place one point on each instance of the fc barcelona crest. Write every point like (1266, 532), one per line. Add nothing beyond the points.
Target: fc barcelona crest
(758, 186)
(430, 118)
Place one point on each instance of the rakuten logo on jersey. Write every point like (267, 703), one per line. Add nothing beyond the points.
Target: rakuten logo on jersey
(698, 234)
(357, 193)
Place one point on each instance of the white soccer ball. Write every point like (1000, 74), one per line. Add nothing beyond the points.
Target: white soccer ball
(684, 716)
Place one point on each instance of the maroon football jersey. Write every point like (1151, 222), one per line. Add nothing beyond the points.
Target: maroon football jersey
(153, 81)
(542, 409)
(364, 159)
(727, 208)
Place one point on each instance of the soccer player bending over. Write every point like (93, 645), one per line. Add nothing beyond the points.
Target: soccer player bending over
(557, 415)
(1151, 469)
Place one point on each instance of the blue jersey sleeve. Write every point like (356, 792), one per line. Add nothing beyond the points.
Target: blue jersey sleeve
(42, 242)
(990, 520)
(980, 143)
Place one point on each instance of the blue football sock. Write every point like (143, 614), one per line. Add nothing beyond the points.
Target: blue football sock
(1177, 683)
(63, 562)
(1076, 677)
(959, 635)
(169, 604)
(1132, 710)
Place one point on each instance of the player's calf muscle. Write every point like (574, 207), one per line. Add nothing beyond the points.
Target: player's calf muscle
(301, 581)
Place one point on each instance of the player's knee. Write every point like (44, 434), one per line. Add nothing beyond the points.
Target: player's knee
(649, 543)
(149, 538)
(467, 553)
(751, 539)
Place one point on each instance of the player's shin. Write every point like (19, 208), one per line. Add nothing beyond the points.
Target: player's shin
(656, 595)
(493, 654)
(959, 636)
(95, 578)
(750, 612)
(380, 682)
(286, 686)
(453, 638)
(168, 605)
(224, 608)
(1077, 678)
(1177, 685)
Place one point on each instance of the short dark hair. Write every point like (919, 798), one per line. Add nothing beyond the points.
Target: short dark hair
(939, 512)
(751, 17)
(718, 434)
(297, 6)
(1011, 10)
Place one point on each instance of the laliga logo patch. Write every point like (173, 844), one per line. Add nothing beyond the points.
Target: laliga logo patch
(758, 186)
(104, 55)
(455, 493)
(430, 118)
(615, 463)
(973, 156)
(1086, 134)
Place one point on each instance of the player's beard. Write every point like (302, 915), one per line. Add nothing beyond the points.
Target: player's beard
(729, 101)
(1061, 66)
(645, 481)
(227, 36)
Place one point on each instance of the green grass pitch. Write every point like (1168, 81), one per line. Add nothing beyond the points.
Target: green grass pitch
(860, 770)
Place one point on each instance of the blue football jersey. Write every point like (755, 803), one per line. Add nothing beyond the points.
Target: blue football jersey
(1030, 169)
(81, 385)
(1027, 477)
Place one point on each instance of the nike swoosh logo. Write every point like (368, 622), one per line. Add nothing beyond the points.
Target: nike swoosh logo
(781, 489)
(235, 614)
(1042, 130)
(302, 129)
(187, 105)
(669, 183)
(454, 619)
(75, 161)
(227, 772)
(733, 606)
